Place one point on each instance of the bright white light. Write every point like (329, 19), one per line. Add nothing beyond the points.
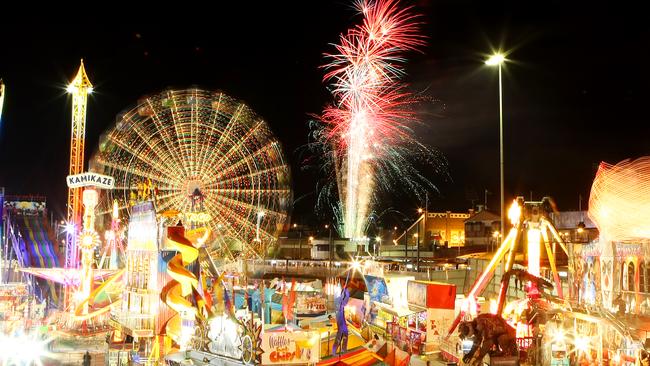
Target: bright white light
(562, 274)
(356, 265)
(409, 266)
(496, 59)
(23, 349)
(109, 235)
(558, 336)
(69, 228)
(582, 343)
(71, 89)
(90, 90)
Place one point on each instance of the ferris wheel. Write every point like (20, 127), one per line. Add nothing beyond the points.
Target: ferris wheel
(207, 156)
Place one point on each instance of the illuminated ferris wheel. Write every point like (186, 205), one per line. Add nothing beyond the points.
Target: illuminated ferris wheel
(206, 156)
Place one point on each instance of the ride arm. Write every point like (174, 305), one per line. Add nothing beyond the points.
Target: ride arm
(487, 274)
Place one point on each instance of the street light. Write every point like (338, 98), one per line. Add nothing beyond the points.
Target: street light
(498, 59)
(417, 243)
(299, 241)
(377, 244)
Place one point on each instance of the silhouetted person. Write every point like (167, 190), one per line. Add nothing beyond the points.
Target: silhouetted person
(87, 358)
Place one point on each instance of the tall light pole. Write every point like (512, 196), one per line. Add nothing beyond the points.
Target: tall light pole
(497, 60)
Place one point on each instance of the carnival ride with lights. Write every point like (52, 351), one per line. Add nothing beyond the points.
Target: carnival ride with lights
(89, 291)
(530, 227)
(2, 97)
(30, 241)
(195, 146)
(203, 182)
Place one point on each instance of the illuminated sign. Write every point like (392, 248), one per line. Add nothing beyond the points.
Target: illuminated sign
(143, 230)
(198, 217)
(90, 179)
(287, 348)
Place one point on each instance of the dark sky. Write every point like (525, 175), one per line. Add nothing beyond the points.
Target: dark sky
(575, 93)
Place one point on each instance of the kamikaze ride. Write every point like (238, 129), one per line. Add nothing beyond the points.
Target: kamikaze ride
(531, 226)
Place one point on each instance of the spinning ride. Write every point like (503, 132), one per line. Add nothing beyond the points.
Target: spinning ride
(207, 157)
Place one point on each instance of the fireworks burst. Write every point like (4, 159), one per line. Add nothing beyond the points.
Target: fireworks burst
(366, 134)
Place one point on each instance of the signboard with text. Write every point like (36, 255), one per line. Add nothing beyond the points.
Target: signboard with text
(290, 348)
(90, 179)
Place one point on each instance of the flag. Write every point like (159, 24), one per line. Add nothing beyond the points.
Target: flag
(219, 295)
(291, 300)
(285, 301)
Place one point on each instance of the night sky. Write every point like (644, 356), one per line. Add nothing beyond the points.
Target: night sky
(575, 93)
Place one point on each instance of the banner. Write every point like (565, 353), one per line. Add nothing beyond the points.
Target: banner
(28, 207)
(377, 289)
(290, 348)
(90, 179)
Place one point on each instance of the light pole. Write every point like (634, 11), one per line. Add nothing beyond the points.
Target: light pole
(497, 60)
(299, 241)
(377, 245)
(417, 242)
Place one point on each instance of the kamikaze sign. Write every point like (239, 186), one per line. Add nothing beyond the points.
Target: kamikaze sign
(90, 179)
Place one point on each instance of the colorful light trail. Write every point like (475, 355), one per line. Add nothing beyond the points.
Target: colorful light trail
(619, 202)
(204, 153)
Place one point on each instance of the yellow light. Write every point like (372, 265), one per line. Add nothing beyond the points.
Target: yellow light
(514, 213)
(534, 238)
(494, 307)
(419, 210)
(378, 238)
(311, 238)
(415, 235)
(558, 336)
(580, 230)
(295, 225)
(617, 358)
(495, 234)
(496, 59)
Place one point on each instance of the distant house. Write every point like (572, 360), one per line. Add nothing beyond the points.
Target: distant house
(574, 226)
(446, 228)
(480, 228)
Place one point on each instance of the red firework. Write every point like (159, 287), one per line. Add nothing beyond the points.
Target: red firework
(365, 74)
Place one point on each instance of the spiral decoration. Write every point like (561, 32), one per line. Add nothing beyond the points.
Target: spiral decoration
(183, 282)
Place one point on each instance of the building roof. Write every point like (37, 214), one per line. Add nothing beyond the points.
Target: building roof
(570, 219)
(483, 215)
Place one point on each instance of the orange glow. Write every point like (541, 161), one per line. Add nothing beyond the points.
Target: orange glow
(619, 203)
(534, 237)
(514, 213)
